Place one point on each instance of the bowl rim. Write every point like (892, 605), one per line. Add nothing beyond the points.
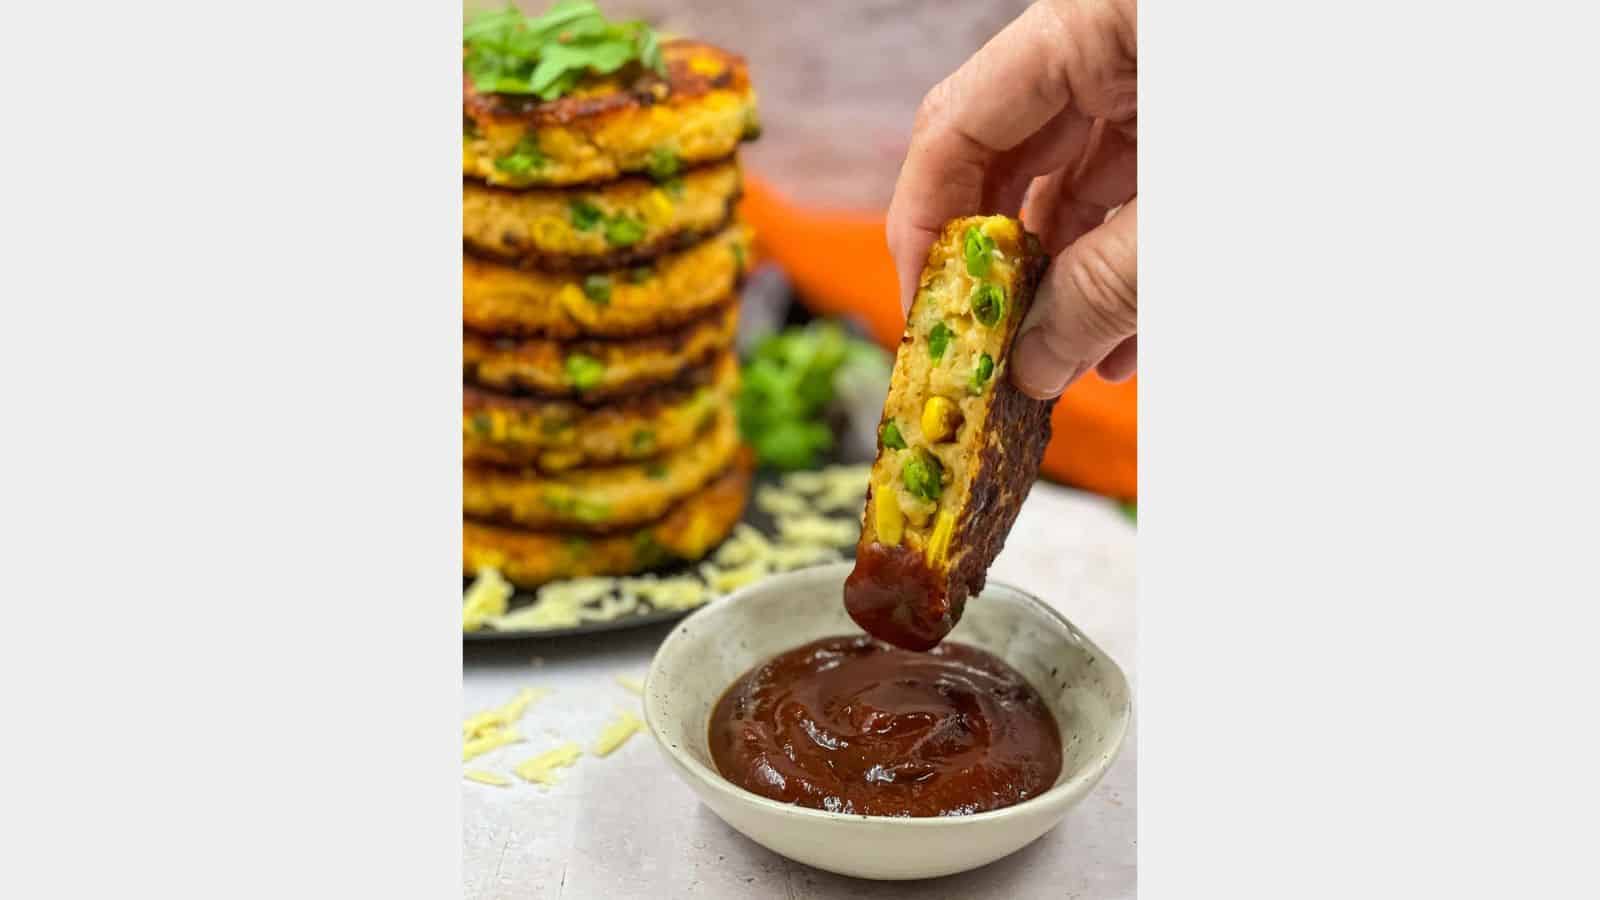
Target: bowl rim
(1057, 794)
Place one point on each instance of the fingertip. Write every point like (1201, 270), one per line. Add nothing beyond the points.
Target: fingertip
(1038, 371)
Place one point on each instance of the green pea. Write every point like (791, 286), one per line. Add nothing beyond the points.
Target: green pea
(989, 304)
(643, 439)
(922, 475)
(622, 231)
(892, 438)
(663, 164)
(585, 215)
(524, 158)
(583, 371)
(598, 289)
(938, 340)
(984, 372)
(655, 471)
(978, 248)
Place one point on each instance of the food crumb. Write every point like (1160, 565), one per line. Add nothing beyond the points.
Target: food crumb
(483, 777)
(631, 683)
(616, 733)
(541, 769)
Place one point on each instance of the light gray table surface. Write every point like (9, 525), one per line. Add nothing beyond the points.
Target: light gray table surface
(625, 827)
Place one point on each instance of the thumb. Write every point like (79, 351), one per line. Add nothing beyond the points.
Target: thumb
(1087, 305)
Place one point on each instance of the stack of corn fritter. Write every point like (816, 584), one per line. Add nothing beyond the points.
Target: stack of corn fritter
(599, 302)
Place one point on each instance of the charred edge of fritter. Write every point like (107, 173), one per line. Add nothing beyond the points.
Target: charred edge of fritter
(638, 178)
(673, 393)
(1017, 431)
(533, 259)
(721, 503)
(668, 342)
(644, 89)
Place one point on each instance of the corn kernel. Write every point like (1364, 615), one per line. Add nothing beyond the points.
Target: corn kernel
(705, 65)
(940, 419)
(939, 543)
(886, 509)
(571, 297)
(658, 207)
(1000, 228)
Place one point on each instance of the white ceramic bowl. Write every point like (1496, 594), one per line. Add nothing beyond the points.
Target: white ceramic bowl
(697, 662)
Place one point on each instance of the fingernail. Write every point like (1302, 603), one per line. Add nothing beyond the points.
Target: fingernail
(1039, 370)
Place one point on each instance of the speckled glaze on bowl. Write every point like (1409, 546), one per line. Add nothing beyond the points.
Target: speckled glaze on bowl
(1086, 692)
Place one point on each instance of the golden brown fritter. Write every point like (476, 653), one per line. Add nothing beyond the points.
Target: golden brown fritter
(959, 447)
(554, 435)
(678, 287)
(633, 121)
(597, 369)
(621, 224)
(687, 533)
(603, 498)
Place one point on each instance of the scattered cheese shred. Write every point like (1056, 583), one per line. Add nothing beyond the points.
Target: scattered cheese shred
(677, 592)
(616, 733)
(844, 488)
(614, 607)
(811, 482)
(483, 777)
(631, 683)
(746, 545)
(801, 555)
(819, 530)
(778, 502)
(494, 740)
(485, 599)
(541, 769)
(490, 720)
(725, 581)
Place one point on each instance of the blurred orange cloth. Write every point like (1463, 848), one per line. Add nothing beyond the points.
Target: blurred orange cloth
(839, 262)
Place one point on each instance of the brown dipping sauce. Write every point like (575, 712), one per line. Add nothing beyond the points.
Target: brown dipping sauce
(895, 597)
(851, 725)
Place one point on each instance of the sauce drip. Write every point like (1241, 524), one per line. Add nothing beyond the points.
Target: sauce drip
(895, 597)
(850, 725)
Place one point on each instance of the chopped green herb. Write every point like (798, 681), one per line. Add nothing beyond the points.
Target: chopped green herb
(524, 158)
(482, 424)
(738, 255)
(585, 215)
(923, 475)
(892, 438)
(622, 231)
(640, 274)
(591, 512)
(978, 248)
(984, 372)
(598, 289)
(643, 439)
(664, 164)
(793, 379)
(647, 551)
(673, 186)
(508, 52)
(583, 372)
(989, 304)
(656, 471)
(938, 340)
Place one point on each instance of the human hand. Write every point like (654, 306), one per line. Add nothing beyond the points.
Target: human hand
(1042, 118)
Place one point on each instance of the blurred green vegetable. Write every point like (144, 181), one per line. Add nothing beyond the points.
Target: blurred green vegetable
(789, 381)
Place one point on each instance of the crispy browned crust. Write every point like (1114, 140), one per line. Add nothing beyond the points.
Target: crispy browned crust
(600, 499)
(531, 258)
(681, 288)
(639, 88)
(508, 429)
(538, 366)
(517, 247)
(691, 530)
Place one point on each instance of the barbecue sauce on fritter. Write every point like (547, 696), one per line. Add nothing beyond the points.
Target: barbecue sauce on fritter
(852, 725)
(895, 597)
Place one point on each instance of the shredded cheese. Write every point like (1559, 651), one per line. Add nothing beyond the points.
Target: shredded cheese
(490, 720)
(541, 769)
(493, 740)
(806, 482)
(677, 592)
(631, 683)
(778, 502)
(746, 545)
(799, 556)
(483, 777)
(725, 581)
(616, 733)
(818, 530)
(485, 598)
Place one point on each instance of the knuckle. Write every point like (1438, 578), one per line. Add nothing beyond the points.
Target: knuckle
(1109, 295)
